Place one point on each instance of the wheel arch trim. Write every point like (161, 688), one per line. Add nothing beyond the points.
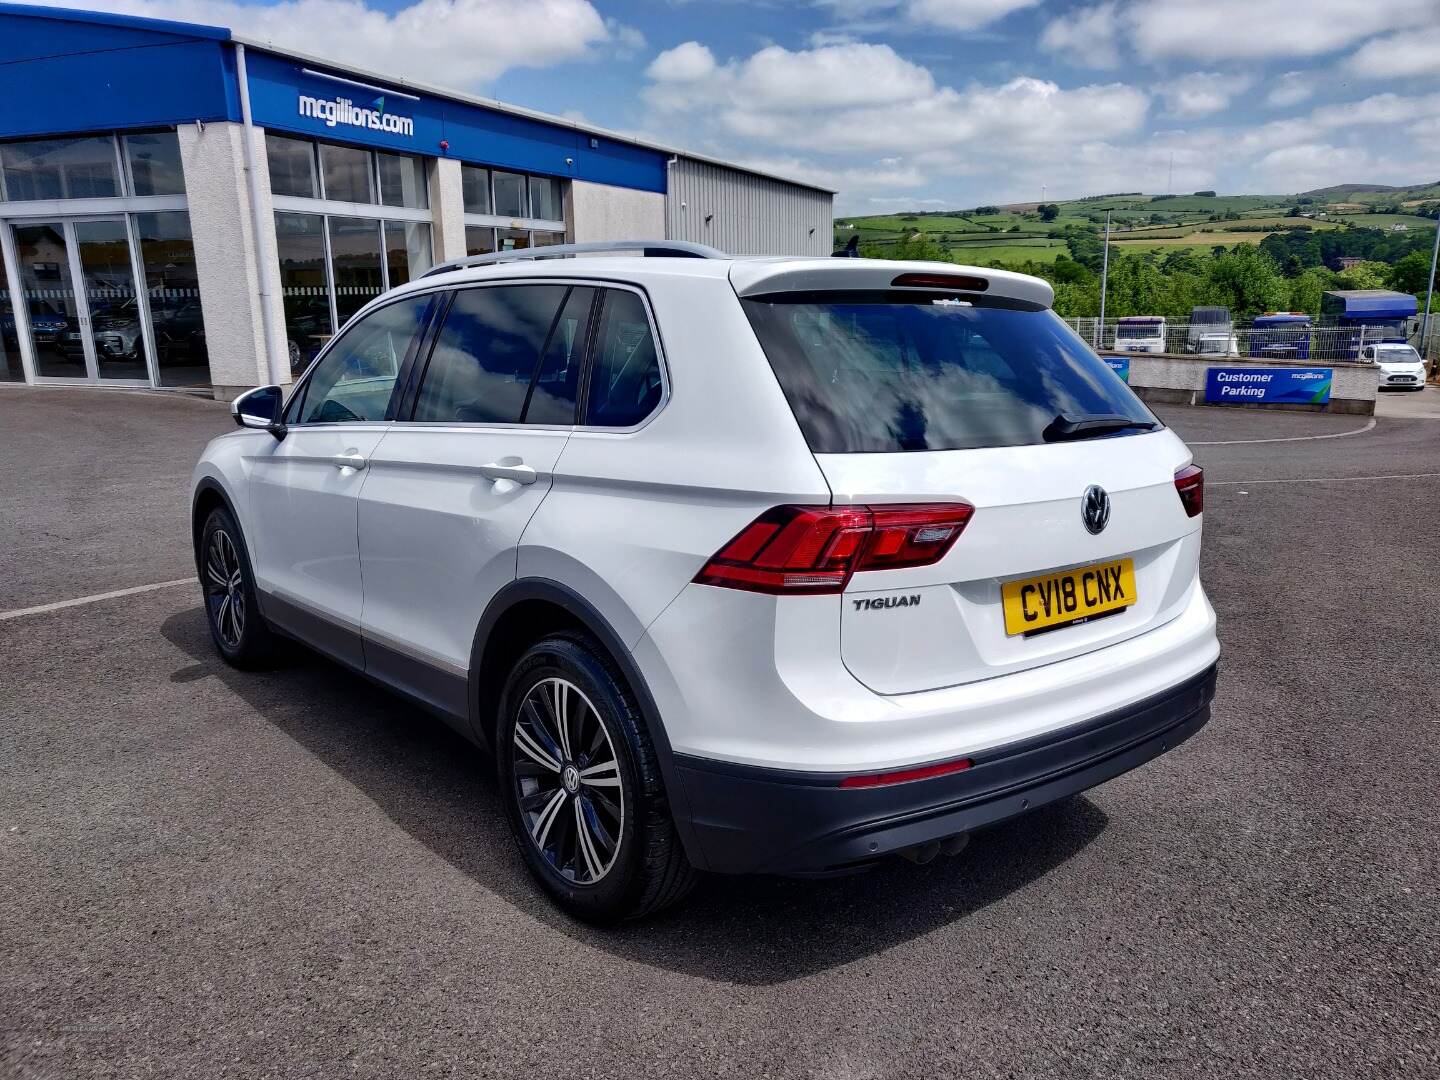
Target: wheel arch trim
(589, 617)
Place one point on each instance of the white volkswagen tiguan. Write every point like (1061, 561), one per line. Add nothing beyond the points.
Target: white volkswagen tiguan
(743, 565)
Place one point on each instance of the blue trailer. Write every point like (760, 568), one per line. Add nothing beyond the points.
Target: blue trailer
(1281, 335)
(1374, 314)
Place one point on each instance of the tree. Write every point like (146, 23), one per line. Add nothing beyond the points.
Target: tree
(1365, 275)
(1048, 211)
(1247, 281)
(1307, 288)
(1410, 274)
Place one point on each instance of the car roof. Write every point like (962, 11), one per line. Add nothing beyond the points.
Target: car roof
(749, 275)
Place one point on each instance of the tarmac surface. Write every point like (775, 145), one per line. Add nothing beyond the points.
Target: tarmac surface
(210, 874)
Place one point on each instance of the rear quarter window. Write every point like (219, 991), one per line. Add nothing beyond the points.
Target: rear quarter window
(885, 372)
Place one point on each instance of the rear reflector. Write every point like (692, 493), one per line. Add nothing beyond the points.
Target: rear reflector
(806, 550)
(941, 281)
(1190, 483)
(904, 776)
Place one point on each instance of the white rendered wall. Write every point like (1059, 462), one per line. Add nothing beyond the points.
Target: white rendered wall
(601, 212)
(225, 253)
(447, 209)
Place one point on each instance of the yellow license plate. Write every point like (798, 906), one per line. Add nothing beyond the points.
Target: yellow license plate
(1042, 603)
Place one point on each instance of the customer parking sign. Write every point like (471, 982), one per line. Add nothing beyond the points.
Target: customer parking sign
(1268, 386)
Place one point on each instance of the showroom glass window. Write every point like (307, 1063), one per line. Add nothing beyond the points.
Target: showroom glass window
(80, 168)
(153, 159)
(167, 253)
(374, 234)
(498, 203)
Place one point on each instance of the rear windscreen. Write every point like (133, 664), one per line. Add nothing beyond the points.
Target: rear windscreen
(884, 372)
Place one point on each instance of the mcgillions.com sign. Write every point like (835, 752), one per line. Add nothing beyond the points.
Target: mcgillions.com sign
(1257, 385)
(344, 111)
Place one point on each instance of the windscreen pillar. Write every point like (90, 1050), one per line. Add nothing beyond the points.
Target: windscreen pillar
(227, 256)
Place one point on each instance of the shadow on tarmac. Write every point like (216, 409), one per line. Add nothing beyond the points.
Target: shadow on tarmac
(746, 930)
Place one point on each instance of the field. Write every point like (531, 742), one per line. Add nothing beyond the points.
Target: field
(1015, 233)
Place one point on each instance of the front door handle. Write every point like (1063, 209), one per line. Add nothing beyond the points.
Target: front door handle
(509, 469)
(349, 461)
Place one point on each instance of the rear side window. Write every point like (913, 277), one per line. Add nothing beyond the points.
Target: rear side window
(487, 353)
(357, 374)
(884, 372)
(625, 384)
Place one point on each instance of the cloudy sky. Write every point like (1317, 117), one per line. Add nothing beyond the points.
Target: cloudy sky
(934, 103)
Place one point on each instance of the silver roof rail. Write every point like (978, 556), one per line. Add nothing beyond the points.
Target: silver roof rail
(664, 249)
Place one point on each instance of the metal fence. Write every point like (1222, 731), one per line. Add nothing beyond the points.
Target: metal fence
(1330, 343)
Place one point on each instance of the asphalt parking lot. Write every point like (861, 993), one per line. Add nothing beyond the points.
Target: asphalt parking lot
(210, 874)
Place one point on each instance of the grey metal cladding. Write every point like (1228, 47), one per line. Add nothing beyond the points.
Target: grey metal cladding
(745, 214)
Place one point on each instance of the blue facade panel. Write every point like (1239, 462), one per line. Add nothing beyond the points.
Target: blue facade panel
(100, 73)
(80, 71)
(484, 136)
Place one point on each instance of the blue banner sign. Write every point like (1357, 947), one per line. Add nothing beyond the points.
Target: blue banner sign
(1120, 365)
(1268, 386)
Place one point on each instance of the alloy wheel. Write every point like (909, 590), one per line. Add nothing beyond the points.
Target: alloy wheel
(567, 781)
(225, 588)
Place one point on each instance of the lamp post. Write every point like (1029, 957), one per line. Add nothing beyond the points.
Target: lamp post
(1104, 281)
(1430, 293)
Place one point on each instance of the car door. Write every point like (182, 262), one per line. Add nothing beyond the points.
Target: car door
(303, 488)
(457, 477)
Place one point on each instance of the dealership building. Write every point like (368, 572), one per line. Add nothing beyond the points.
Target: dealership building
(184, 208)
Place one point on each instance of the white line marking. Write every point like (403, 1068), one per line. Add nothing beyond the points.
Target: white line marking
(1328, 479)
(1292, 438)
(20, 613)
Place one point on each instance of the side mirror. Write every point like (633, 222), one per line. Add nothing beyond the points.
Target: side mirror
(261, 408)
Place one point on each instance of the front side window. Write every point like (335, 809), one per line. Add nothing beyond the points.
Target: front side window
(354, 380)
(486, 354)
(625, 383)
(885, 372)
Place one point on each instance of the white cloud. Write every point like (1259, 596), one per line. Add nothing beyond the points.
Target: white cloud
(1412, 52)
(962, 15)
(1290, 89)
(1202, 92)
(954, 16)
(1224, 30)
(1381, 110)
(687, 62)
(869, 99)
(1313, 165)
(1088, 37)
(454, 42)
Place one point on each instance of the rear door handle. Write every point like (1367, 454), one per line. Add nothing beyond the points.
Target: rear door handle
(349, 461)
(509, 469)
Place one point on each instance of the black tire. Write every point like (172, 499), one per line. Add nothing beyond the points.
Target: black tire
(646, 869)
(231, 611)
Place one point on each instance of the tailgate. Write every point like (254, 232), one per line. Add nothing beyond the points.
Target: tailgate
(921, 628)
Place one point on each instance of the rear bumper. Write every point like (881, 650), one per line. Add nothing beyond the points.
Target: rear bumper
(746, 819)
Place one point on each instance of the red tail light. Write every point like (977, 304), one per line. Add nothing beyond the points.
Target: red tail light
(815, 549)
(904, 776)
(1190, 483)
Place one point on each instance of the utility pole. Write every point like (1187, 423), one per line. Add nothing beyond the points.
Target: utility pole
(1430, 293)
(1104, 281)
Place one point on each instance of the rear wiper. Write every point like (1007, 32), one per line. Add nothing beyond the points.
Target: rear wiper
(1065, 427)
